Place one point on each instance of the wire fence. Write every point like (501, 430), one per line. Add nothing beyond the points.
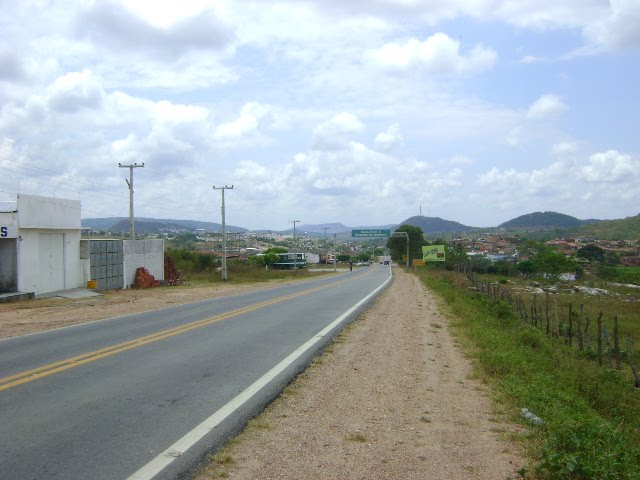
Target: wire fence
(596, 336)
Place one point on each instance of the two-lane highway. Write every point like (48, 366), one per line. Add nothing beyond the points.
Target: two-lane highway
(147, 395)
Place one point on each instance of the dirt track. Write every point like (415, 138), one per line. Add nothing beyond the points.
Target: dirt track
(392, 399)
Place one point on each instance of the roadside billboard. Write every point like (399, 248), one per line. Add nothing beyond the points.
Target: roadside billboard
(433, 253)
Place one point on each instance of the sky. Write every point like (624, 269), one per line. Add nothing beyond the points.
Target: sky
(364, 112)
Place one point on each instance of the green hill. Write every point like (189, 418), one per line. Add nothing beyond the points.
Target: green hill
(623, 229)
(436, 225)
(542, 220)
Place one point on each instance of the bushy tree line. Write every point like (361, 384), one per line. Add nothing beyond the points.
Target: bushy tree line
(192, 261)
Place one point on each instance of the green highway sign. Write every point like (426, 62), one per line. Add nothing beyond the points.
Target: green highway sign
(370, 233)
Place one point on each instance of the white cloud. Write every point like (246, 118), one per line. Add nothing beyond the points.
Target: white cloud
(619, 29)
(437, 54)
(546, 106)
(253, 116)
(564, 148)
(584, 187)
(111, 25)
(334, 133)
(390, 138)
(76, 90)
(610, 167)
(11, 67)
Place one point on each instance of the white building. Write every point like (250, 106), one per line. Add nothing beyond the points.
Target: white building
(40, 245)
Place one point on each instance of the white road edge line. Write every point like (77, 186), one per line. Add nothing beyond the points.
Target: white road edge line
(163, 460)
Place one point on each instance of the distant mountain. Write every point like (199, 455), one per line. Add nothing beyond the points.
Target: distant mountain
(437, 225)
(319, 228)
(337, 228)
(152, 225)
(542, 220)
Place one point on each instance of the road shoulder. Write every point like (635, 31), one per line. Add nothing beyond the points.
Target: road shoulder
(393, 397)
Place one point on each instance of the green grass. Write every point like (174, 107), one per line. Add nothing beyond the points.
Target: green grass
(591, 414)
(620, 301)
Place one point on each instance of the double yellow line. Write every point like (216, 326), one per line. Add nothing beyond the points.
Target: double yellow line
(66, 364)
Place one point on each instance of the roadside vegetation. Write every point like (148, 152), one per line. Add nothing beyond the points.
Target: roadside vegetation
(590, 413)
(201, 268)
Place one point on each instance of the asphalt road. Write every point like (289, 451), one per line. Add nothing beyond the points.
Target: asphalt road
(148, 395)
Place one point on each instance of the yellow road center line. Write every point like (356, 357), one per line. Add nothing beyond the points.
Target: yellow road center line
(66, 364)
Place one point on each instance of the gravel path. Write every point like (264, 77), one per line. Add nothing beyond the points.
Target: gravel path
(393, 398)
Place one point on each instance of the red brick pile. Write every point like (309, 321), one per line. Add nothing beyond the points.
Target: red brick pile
(171, 273)
(144, 279)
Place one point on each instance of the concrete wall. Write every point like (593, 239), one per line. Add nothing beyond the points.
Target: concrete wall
(143, 253)
(46, 212)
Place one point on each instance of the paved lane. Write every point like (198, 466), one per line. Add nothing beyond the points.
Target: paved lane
(104, 399)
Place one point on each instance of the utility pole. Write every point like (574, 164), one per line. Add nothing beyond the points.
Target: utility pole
(132, 228)
(335, 252)
(295, 254)
(224, 233)
(325, 238)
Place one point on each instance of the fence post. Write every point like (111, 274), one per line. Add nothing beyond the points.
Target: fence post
(616, 342)
(600, 339)
(570, 323)
(632, 364)
(580, 342)
(546, 309)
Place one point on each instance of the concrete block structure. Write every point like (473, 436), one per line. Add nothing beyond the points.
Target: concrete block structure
(40, 245)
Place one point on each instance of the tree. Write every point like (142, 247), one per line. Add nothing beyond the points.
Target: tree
(454, 254)
(591, 252)
(526, 267)
(363, 256)
(398, 245)
(553, 263)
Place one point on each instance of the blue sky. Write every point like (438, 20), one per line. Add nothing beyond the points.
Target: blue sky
(358, 112)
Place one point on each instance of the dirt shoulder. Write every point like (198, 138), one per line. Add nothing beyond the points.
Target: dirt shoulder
(20, 318)
(393, 398)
